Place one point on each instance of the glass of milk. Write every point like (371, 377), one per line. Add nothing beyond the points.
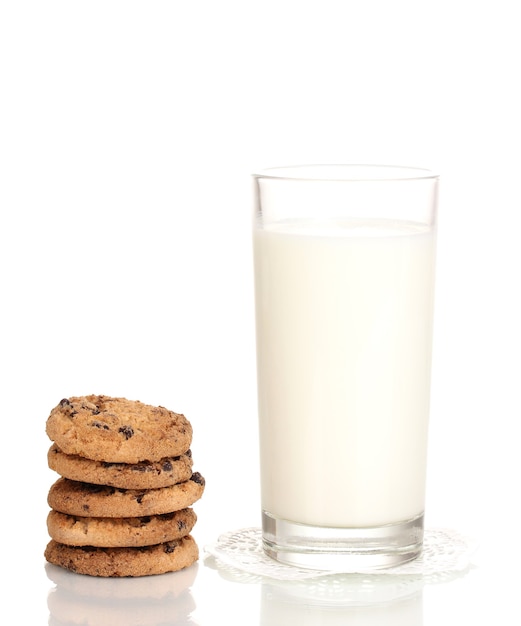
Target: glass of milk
(344, 261)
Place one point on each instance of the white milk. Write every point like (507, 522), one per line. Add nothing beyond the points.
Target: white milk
(344, 325)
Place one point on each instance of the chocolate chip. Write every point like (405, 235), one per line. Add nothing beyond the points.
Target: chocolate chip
(97, 424)
(170, 547)
(93, 408)
(181, 525)
(197, 478)
(167, 466)
(128, 431)
(91, 488)
(66, 404)
(167, 516)
(139, 498)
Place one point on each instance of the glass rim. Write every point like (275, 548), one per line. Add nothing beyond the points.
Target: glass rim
(348, 172)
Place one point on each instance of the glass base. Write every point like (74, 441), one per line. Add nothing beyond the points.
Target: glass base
(341, 549)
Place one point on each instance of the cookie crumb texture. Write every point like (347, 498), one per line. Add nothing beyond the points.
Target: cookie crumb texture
(115, 430)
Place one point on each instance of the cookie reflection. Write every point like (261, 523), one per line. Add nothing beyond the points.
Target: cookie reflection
(343, 599)
(145, 601)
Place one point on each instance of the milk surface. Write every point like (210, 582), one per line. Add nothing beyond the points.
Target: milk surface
(344, 325)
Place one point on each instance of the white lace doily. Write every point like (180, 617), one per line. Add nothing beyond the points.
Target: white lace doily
(445, 552)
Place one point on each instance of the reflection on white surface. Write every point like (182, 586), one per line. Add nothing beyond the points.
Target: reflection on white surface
(212, 592)
(145, 601)
(336, 600)
(365, 600)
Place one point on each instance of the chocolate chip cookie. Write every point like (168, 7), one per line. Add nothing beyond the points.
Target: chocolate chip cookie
(85, 499)
(165, 557)
(109, 532)
(117, 430)
(143, 475)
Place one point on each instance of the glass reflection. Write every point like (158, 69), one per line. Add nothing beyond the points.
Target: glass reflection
(354, 599)
(343, 599)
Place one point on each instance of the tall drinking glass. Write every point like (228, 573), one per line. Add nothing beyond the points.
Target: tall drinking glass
(344, 278)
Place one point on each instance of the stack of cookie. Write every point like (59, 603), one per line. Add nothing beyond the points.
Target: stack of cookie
(121, 506)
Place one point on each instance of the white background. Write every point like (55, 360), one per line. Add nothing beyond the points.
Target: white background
(128, 133)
